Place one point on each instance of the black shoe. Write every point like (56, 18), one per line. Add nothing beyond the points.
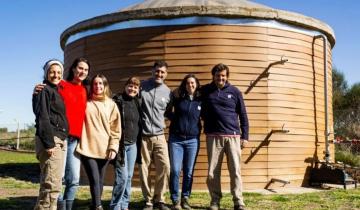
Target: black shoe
(92, 207)
(214, 206)
(239, 207)
(185, 203)
(161, 206)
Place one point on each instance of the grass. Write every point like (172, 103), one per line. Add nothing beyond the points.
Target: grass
(19, 190)
(15, 157)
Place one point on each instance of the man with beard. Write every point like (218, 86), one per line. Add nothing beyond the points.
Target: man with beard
(155, 103)
(222, 108)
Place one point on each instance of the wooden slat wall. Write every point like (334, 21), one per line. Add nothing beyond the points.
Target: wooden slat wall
(292, 95)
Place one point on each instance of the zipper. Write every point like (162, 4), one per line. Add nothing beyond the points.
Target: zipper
(188, 119)
(152, 111)
(123, 121)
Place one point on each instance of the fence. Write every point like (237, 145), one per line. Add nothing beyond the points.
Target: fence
(17, 136)
(352, 146)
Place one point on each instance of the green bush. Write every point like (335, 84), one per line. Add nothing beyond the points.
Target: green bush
(346, 156)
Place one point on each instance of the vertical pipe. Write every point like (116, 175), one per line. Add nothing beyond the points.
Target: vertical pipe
(327, 133)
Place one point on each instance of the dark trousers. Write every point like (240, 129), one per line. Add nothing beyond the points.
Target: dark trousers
(95, 170)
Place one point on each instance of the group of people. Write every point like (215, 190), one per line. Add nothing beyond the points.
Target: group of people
(76, 124)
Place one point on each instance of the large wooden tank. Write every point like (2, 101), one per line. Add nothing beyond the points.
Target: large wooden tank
(193, 36)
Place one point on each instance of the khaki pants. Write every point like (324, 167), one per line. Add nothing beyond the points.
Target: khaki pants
(50, 175)
(216, 147)
(154, 148)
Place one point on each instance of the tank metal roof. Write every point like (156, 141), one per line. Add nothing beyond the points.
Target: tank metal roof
(160, 9)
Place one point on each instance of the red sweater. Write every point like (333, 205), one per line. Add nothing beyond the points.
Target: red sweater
(75, 99)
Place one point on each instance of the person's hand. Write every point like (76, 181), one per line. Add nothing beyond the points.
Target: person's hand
(111, 155)
(38, 88)
(243, 143)
(50, 151)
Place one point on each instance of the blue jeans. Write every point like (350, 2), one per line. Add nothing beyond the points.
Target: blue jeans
(183, 154)
(123, 174)
(71, 174)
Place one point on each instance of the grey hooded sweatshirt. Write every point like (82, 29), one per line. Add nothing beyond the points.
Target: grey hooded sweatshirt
(156, 99)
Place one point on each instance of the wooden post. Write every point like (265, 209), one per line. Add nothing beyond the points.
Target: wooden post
(18, 135)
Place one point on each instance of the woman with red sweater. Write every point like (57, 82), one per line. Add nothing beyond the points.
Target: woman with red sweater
(74, 93)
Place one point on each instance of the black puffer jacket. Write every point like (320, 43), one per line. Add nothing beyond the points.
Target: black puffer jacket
(130, 111)
(49, 109)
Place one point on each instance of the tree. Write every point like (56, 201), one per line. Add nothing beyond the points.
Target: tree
(3, 130)
(352, 104)
(340, 89)
(30, 130)
(346, 107)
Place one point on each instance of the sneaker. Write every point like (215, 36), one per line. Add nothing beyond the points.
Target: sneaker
(176, 205)
(161, 206)
(239, 207)
(148, 207)
(214, 206)
(99, 208)
(96, 207)
(185, 203)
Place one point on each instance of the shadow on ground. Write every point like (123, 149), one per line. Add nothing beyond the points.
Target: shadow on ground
(21, 171)
(24, 203)
(85, 205)
(28, 202)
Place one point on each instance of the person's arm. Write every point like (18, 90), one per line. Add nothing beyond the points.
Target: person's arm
(139, 135)
(37, 89)
(203, 104)
(41, 107)
(244, 122)
(115, 131)
(169, 112)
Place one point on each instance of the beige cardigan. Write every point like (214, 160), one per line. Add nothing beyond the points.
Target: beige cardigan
(101, 129)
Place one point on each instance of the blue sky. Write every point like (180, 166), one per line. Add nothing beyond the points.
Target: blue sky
(30, 32)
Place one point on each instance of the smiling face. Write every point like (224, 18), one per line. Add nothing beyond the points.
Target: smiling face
(220, 78)
(80, 72)
(98, 87)
(159, 74)
(54, 74)
(191, 85)
(131, 90)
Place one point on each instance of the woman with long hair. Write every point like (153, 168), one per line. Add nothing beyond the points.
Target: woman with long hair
(184, 137)
(100, 136)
